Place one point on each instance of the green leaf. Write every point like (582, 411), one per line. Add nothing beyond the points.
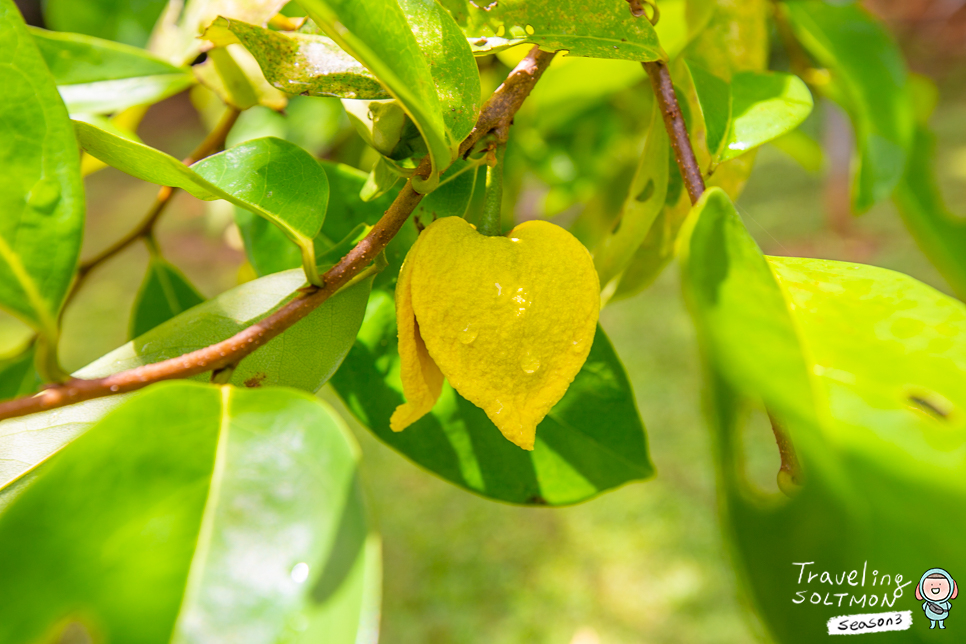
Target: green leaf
(270, 177)
(191, 512)
(385, 126)
(644, 201)
(96, 76)
(121, 20)
(755, 108)
(164, 293)
(864, 366)
(233, 74)
(599, 30)
(591, 441)
(714, 102)
(298, 63)
(940, 233)
(764, 106)
(419, 54)
(305, 357)
(18, 376)
(380, 181)
(453, 196)
(268, 250)
(41, 195)
(869, 81)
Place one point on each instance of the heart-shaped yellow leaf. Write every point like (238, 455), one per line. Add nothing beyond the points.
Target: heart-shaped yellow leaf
(508, 321)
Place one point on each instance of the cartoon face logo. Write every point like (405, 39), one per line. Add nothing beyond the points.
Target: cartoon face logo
(935, 590)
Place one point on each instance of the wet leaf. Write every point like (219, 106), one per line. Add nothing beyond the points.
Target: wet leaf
(41, 195)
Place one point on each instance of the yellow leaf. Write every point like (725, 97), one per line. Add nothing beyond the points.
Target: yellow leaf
(508, 321)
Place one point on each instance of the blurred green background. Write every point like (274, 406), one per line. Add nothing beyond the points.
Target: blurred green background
(645, 563)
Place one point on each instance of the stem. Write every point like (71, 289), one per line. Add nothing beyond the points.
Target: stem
(498, 110)
(677, 129)
(491, 222)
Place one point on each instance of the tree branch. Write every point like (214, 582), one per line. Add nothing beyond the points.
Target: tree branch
(498, 110)
(677, 130)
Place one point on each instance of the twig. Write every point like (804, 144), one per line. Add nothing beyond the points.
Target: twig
(214, 142)
(499, 109)
(677, 129)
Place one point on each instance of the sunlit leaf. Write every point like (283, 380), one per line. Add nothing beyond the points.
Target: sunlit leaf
(96, 76)
(764, 105)
(864, 367)
(869, 77)
(234, 513)
(299, 63)
(305, 357)
(270, 177)
(419, 54)
(602, 30)
(41, 196)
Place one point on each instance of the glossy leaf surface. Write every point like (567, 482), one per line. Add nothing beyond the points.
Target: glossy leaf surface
(419, 54)
(764, 106)
(164, 293)
(870, 83)
(41, 196)
(591, 441)
(603, 29)
(97, 76)
(271, 177)
(304, 357)
(232, 512)
(299, 63)
(865, 366)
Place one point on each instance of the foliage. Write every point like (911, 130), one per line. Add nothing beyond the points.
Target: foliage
(230, 508)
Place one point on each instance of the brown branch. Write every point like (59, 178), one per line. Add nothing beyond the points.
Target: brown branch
(499, 109)
(677, 129)
(214, 142)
